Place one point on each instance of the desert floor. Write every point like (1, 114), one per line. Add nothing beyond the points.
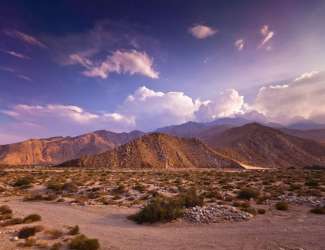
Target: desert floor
(294, 229)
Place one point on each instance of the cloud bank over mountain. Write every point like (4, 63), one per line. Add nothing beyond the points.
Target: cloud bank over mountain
(146, 109)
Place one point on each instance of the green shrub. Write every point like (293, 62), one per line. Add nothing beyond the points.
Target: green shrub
(247, 193)
(25, 181)
(312, 183)
(81, 242)
(318, 210)
(4, 209)
(32, 218)
(26, 232)
(190, 199)
(159, 209)
(282, 205)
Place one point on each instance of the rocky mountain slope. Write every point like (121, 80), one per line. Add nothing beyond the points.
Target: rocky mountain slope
(312, 134)
(158, 151)
(263, 146)
(59, 149)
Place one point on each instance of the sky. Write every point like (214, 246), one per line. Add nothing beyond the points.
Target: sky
(71, 67)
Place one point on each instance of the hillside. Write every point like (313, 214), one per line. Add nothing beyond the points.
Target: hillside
(158, 151)
(263, 146)
(59, 149)
(313, 134)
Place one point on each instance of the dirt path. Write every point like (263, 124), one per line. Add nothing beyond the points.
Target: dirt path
(296, 229)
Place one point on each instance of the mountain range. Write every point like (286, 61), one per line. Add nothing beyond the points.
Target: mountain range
(226, 142)
(158, 151)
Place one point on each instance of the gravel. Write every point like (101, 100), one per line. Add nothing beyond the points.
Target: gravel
(215, 214)
(304, 200)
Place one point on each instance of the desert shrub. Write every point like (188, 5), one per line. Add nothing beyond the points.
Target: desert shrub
(159, 209)
(54, 185)
(282, 205)
(139, 187)
(190, 198)
(248, 193)
(56, 246)
(25, 181)
(32, 218)
(81, 242)
(5, 216)
(318, 210)
(120, 189)
(33, 197)
(54, 233)
(261, 211)
(74, 230)
(70, 187)
(312, 183)
(26, 232)
(13, 221)
(4, 209)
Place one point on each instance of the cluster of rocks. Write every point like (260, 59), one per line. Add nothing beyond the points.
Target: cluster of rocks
(304, 200)
(215, 213)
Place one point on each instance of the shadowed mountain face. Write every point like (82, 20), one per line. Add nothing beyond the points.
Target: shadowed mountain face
(267, 147)
(313, 134)
(59, 149)
(158, 151)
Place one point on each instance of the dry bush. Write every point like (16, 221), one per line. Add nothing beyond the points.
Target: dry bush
(32, 218)
(81, 242)
(27, 232)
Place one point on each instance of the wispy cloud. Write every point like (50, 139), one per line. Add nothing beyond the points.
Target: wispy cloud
(267, 36)
(7, 69)
(26, 78)
(15, 73)
(15, 54)
(240, 44)
(25, 38)
(202, 31)
(121, 62)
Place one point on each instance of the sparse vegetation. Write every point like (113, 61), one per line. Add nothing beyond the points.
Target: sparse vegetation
(248, 193)
(26, 232)
(82, 242)
(74, 230)
(32, 218)
(24, 182)
(318, 210)
(159, 209)
(283, 206)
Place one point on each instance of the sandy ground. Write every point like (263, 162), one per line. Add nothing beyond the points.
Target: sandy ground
(296, 229)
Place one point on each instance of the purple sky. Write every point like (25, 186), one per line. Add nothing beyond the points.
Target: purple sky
(70, 67)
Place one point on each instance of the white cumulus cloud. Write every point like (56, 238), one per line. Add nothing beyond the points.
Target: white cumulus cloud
(152, 109)
(202, 31)
(228, 103)
(301, 98)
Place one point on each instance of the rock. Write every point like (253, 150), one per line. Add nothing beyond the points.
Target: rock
(215, 214)
(15, 238)
(304, 200)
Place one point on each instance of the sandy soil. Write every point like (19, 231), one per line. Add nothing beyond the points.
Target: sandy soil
(296, 229)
